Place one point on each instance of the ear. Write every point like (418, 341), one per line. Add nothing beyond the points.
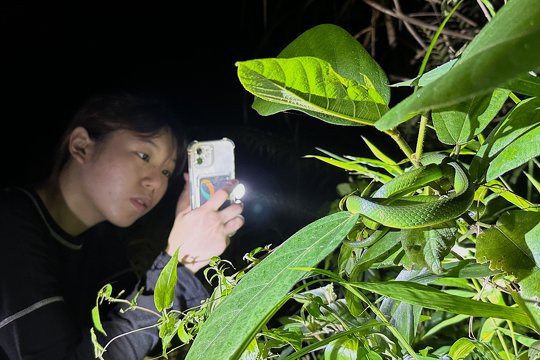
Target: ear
(80, 145)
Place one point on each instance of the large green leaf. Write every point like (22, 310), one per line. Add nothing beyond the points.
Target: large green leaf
(523, 118)
(458, 124)
(504, 244)
(432, 298)
(512, 246)
(311, 85)
(330, 43)
(506, 48)
(232, 325)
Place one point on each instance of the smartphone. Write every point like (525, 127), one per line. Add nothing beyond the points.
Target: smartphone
(210, 166)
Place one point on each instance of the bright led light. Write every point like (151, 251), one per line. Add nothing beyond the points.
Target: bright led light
(238, 192)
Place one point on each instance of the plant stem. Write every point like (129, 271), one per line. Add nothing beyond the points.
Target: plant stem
(396, 136)
(421, 136)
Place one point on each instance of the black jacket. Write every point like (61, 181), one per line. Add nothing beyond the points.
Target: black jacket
(49, 282)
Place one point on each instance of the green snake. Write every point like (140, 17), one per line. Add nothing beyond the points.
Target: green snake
(392, 205)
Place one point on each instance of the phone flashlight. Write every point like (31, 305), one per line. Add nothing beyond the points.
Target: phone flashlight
(237, 193)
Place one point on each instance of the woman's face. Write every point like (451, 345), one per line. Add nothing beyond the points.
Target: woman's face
(127, 175)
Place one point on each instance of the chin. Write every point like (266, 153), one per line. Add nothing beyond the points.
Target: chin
(123, 223)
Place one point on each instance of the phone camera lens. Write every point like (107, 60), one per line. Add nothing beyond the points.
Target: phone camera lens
(199, 161)
(199, 151)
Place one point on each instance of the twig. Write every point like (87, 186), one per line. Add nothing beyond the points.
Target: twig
(417, 22)
(409, 27)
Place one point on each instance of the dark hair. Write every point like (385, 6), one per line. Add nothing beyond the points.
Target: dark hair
(145, 114)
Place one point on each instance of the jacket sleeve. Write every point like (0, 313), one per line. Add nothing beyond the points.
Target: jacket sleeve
(189, 292)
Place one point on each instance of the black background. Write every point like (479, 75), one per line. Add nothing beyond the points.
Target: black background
(57, 54)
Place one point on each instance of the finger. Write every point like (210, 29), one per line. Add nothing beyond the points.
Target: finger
(233, 225)
(221, 195)
(231, 211)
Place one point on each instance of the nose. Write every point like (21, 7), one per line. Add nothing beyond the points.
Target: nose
(154, 180)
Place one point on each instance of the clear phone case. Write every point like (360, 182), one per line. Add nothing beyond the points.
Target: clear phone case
(210, 165)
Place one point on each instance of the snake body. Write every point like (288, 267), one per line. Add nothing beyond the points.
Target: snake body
(388, 206)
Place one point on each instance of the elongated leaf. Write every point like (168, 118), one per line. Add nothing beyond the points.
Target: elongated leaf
(506, 48)
(460, 123)
(428, 77)
(311, 85)
(524, 117)
(353, 166)
(405, 317)
(232, 325)
(520, 151)
(432, 298)
(164, 291)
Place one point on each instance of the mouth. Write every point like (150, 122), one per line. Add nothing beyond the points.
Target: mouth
(139, 204)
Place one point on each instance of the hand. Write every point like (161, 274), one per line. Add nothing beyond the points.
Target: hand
(205, 231)
(184, 203)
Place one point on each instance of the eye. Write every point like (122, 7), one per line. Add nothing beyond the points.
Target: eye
(143, 156)
(167, 173)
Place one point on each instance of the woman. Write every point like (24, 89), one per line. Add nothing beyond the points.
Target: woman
(62, 239)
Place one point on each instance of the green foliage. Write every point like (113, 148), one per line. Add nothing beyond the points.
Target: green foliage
(432, 256)
(439, 216)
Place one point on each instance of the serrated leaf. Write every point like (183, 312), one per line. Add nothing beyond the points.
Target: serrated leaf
(428, 247)
(311, 85)
(261, 289)
(504, 245)
(506, 48)
(164, 291)
(460, 123)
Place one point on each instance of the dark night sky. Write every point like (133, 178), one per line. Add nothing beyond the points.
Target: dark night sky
(56, 54)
